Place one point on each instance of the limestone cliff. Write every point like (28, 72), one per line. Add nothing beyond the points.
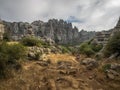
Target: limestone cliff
(1, 30)
(116, 28)
(60, 31)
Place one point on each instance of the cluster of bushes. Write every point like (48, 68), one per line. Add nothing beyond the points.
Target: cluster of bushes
(64, 49)
(113, 45)
(32, 41)
(9, 57)
(85, 48)
(89, 49)
(73, 50)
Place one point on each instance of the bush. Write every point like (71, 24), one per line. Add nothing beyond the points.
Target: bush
(30, 41)
(113, 45)
(6, 37)
(86, 49)
(44, 44)
(9, 56)
(73, 50)
(64, 49)
(16, 52)
(106, 67)
(96, 48)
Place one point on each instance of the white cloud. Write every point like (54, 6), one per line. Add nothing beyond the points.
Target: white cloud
(92, 14)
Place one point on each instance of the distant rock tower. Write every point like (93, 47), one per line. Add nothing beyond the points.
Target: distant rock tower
(1, 29)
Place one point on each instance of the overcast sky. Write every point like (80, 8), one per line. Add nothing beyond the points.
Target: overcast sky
(85, 14)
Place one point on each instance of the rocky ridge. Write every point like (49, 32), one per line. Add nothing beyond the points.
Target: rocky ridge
(60, 31)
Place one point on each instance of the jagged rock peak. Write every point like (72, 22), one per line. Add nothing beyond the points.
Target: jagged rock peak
(118, 23)
(60, 31)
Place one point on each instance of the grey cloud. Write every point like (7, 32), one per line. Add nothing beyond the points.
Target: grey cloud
(88, 14)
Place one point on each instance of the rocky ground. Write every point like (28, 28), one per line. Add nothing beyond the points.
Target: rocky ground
(67, 72)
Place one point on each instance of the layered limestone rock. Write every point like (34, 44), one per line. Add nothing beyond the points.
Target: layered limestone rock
(102, 37)
(60, 31)
(1, 30)
(116, 28)
(85, 35)
(17, 30)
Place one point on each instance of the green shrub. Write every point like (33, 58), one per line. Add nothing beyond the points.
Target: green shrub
(73, 50)
(89, 49)
(106, 67)
(86, 49)
(9, 56)
(30, 41)
(96, 48)
(16, 52)
(64, 49)
(113, 46)
(45, 45)
(6, 37)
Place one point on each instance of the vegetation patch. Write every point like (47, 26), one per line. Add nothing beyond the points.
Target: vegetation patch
(89, 49)
(113, 46)
(30, 41)
(106, 67)
(9, 56)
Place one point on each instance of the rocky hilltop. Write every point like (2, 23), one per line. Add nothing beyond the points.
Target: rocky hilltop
(60, 31)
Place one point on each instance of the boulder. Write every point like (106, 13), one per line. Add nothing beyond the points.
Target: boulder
(113, 56)
(31, 55)
(64, 65)
(64, 72)
(115, 66)
(72, 71)
(43, 63)
(90, 63)
(114, 72)
(110, 76)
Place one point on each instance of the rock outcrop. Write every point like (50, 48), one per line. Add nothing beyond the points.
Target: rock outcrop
(1, 30)
(60, 31)
(116, 28)
(85, 35)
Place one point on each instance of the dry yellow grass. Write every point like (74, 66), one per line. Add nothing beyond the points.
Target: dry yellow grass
(12, 42)
(61, 57)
